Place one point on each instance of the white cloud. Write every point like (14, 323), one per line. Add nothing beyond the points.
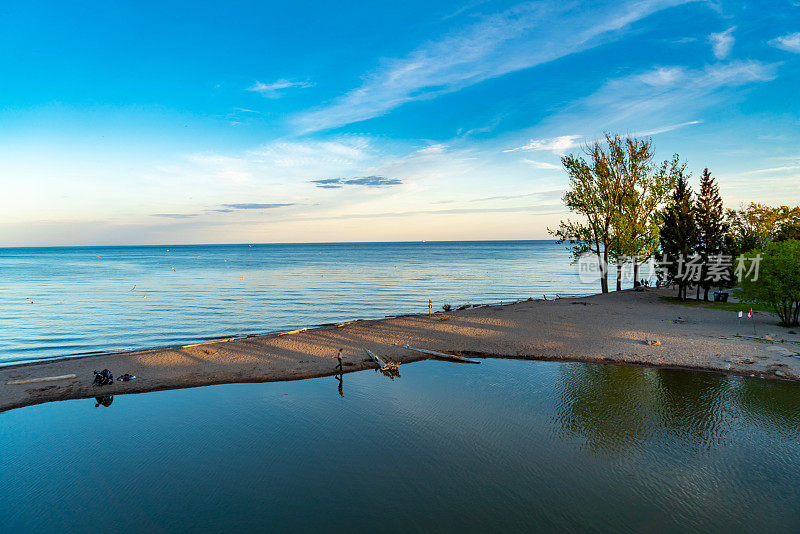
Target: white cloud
(682, 92)
(560, 145)
(789, 42)
(659, 95)
(279, 164)
(662, 76)
(272, 90)
(299, 157)
(774, 170)
(557, 145)
(432, 149)
(665, 129)
(722, 43)
(542, 165)
(519, 38)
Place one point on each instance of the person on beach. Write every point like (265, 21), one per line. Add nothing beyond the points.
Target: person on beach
(339, 372)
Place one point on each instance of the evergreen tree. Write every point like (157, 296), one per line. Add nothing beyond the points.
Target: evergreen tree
(711, 229)
(678, 236)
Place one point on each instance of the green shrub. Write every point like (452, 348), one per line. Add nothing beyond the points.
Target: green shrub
(778, 283)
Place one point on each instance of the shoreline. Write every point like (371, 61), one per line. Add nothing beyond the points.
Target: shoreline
(611, 328)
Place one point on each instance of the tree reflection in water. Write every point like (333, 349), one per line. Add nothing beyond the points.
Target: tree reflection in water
(615, 409)
(612, 408)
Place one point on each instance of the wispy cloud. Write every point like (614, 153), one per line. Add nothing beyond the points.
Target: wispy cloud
(365, 181)
(657, 95)
(542, 165)
(663, 93)
(775, 170)
(519, 38)
(560, 145)
(557, 145)
(256, 206)
(555, 193)
(722, 43)
(789, 42)
(175, 215)
(279, 161)
(662, 76)
(330, 155)
(539, 209)
(273, 90)
(665, 129)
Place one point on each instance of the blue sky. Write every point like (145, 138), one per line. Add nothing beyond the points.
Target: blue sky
(212, 122)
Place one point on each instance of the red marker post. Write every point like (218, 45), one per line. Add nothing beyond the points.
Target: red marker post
(430, 307)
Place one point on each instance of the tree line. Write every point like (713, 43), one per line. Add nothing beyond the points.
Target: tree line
(633, 208)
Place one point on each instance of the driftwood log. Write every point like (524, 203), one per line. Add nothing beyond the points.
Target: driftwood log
(442, 355)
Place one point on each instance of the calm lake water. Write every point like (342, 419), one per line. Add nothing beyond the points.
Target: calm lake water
(501, 446)
(84, 299)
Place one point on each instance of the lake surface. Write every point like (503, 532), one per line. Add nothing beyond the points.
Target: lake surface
(84, 299)
(502, 446)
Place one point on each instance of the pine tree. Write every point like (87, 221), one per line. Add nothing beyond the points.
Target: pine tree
(678, 236)
(711, 228)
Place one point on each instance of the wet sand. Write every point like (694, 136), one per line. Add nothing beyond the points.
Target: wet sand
(601, 328)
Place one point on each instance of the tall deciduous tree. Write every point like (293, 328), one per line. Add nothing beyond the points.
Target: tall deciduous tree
(778, 283)
(755, 225)
(593, 195)
(618, 193)
(711, 227)
(678, 236)
(645, 185)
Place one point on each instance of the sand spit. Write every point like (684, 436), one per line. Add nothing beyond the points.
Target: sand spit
(616, 327)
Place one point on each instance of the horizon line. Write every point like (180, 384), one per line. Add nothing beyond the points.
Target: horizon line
(286, 243)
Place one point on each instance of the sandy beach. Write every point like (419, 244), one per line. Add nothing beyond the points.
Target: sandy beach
(612, 328)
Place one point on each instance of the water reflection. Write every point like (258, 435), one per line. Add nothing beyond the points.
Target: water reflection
(768, 403)
(616, 409)
(500, 446)
(391, 371)
(105, 400)
(341, 390)
(612, 408)
(695, 404)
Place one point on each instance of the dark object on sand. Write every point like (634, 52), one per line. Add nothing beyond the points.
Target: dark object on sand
(103, 378)
(440, 355)
(105, 400)
(126, 377)
(390, 369)
(720, 296)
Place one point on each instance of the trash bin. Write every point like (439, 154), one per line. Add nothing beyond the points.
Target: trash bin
(720, 296)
